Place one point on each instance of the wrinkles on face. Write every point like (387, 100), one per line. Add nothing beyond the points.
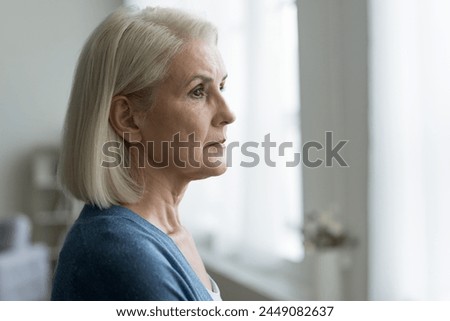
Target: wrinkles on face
(189, 102)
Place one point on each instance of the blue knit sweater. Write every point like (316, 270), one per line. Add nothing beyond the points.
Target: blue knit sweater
(114, 254)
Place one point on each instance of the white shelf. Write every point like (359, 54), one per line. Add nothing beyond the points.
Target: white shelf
(44, 169)
(51, 210)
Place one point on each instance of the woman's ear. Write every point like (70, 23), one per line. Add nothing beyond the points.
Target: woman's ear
(122, 119)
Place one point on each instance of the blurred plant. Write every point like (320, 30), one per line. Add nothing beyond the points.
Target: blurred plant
(322, 231)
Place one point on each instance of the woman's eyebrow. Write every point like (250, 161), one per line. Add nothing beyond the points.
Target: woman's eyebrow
(205, 79)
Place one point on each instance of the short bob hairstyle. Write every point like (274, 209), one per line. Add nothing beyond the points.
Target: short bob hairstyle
(128, 54)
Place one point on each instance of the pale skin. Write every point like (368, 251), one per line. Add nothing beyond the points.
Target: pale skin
(188, 101)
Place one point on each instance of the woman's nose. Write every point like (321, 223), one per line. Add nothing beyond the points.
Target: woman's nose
(224, 114)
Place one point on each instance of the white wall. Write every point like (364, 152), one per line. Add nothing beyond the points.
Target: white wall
(39, 45)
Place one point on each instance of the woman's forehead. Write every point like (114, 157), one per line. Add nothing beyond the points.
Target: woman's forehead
(197, 59)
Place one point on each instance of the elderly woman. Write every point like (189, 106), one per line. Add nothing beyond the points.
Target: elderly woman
(146, 116)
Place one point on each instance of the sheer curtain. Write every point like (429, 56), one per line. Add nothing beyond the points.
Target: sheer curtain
(410, 151)
(252, 213)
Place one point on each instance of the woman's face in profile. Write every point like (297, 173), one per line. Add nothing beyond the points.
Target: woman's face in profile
(189, 113)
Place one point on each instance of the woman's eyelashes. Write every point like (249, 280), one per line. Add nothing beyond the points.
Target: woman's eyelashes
(198, 92)
(201, 91)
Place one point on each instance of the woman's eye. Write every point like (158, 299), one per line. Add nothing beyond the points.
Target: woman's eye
(198, 92)
(222, 88)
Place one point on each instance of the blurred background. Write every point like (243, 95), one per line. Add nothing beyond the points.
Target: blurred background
(376, 73)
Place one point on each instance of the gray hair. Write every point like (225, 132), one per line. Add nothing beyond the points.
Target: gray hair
(127, 54)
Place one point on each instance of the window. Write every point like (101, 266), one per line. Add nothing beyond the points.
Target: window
(409, 219)
(252, 213)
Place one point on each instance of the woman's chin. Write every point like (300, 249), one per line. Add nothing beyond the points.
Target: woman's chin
(219, 170)
(206, 172)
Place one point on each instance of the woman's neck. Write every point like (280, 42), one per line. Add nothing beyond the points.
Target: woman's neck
(159, 203)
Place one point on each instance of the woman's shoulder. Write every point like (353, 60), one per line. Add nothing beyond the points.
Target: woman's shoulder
(115, 254)
(117, 231)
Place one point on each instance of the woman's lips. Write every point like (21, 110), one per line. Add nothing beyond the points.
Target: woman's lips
(216, 148)
(217, 145)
